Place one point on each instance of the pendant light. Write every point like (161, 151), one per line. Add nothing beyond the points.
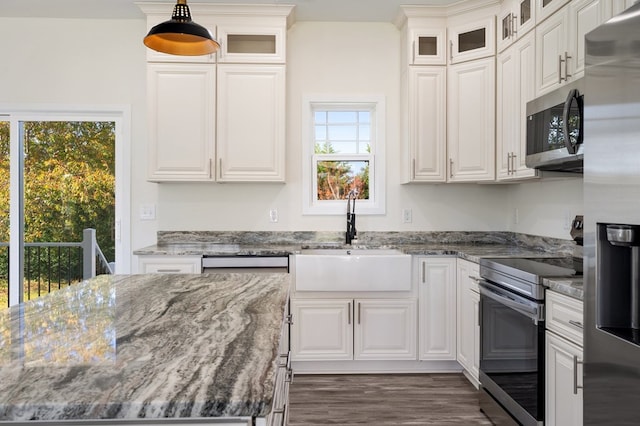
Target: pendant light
(180, 35)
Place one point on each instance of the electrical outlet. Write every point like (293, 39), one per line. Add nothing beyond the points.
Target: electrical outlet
(147, 212)
(406, 215)
(273, 215)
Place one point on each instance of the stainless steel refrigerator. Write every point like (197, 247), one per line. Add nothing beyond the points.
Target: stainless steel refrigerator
(612, 222)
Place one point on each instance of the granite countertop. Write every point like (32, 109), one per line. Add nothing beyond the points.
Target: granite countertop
(144, 346)
(570, 287)
(469, 251)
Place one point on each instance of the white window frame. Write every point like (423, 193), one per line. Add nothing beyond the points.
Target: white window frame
(375, 205)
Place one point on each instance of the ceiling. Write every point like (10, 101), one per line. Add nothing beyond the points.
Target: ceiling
(306, 10)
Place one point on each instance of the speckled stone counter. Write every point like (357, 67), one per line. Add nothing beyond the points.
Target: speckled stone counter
(570, 287)
(144, 346)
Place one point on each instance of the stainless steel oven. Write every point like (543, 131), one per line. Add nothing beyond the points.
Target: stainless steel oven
(512, 336)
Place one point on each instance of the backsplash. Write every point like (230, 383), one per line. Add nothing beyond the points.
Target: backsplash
(373, 238)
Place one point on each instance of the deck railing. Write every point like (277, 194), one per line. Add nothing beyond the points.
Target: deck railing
(49, 266)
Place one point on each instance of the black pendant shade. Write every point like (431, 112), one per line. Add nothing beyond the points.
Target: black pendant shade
(180, 35)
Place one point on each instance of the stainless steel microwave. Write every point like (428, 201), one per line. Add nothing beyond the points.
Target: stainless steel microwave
(555, 124)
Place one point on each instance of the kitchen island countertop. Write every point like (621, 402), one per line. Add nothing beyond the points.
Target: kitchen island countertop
(144, 346)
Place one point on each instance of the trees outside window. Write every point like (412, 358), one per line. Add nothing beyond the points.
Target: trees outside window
(345, 152)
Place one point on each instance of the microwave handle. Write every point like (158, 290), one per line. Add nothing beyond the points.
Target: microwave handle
(573, 96)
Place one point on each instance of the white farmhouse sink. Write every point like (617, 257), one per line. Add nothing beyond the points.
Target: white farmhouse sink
(352, 270)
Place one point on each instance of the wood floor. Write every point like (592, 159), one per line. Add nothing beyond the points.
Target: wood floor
(371, 399)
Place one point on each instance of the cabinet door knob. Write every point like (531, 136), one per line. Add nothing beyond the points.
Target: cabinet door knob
(451, 167)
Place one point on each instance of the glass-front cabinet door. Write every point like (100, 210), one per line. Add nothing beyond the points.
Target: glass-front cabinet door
(516, 19)
(472, 40)
(428, 47)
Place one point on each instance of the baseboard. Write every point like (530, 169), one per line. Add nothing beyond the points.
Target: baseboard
(374, 367)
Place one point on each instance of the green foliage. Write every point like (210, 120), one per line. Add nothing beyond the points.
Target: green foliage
(336, 179)
(69, 185)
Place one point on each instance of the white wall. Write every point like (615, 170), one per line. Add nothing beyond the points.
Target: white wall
(546, 207)
(97, 62)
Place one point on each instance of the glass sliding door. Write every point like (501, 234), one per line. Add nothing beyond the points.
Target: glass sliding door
(69, 186)
(58, 200)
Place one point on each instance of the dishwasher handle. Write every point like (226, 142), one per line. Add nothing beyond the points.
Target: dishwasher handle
(524, 306)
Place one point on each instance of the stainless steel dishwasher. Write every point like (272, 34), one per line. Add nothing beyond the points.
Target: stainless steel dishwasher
(253, 264)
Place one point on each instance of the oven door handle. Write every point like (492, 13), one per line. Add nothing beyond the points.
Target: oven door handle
(529, 308)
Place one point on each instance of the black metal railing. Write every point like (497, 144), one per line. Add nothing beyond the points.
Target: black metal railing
(50, 266)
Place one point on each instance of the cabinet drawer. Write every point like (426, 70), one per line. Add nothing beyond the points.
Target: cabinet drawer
(565, 317)
(170, 265)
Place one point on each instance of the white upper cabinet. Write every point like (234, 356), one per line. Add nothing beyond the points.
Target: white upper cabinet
(427, 124)
(428, 46)
(515, 87)
(423, 37)
(546, 8)
(252, 44)
(242, 140)
(560, 42)
(471, 121)
(584, 16)
(251, 123)
(181, 121)
(551, 52)
(516, 19)
(472, 40)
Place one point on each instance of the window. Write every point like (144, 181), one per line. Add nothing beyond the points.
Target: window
(343, 151)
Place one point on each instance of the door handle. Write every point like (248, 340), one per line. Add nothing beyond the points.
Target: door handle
(451, 168)
(576, 362)
(358, 313)
(566, 66)
(349, 313)
(508, 163)
(513, 163)
(451, 50)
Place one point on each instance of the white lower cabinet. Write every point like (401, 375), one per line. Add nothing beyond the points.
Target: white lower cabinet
(468, 325)
(169, 264)
(353, 329)
(322, 329)
(564, 355)
(564, 382)
(437, 314)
